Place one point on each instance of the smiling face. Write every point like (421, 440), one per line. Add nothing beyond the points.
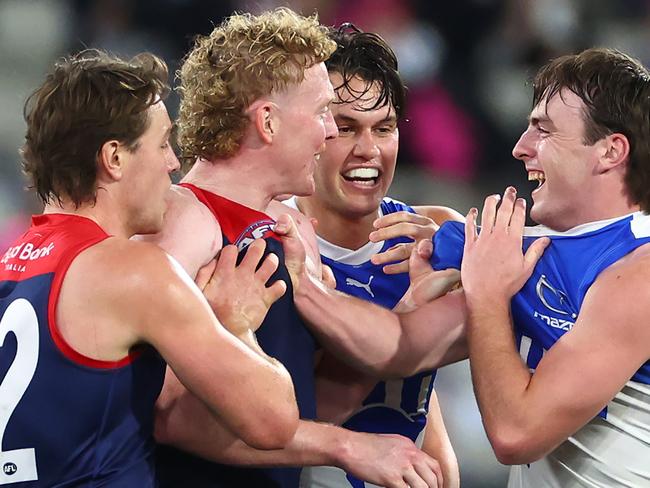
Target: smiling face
(555, 154)
(305, 122)
(357, 168)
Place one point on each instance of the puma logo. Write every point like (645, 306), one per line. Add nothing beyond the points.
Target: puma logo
(358, 284)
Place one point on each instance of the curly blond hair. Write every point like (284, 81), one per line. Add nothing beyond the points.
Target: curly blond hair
(244, 58)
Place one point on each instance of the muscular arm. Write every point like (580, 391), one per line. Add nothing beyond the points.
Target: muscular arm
(528, 415)
(314, 444)
(397, 345)
(437, 444)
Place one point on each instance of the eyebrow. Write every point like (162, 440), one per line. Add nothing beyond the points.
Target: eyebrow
(169, 131)
(346, 118)
(545, 119)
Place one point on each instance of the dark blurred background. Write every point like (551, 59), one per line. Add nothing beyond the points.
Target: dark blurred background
(467, 64)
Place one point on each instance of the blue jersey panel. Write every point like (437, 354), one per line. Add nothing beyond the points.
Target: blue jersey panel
(550, 301)
(395, 406)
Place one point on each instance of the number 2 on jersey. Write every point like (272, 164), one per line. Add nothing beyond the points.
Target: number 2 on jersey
(20, 318)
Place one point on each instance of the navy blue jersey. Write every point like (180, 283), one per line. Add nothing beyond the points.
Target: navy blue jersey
(396, 406)
(612, 449)
(66, 419)
(282, 335)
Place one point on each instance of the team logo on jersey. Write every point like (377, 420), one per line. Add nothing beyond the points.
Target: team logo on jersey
(556, 301)
(552, 298)
(257, 230)
(358, 284)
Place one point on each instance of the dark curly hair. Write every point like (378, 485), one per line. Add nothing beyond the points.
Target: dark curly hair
(367, 56)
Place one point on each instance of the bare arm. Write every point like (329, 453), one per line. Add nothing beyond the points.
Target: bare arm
(437, 444)
(527, 415)
(386, 460)
(397, 345)
(210, 359)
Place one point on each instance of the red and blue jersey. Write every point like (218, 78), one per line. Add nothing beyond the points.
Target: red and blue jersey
(282, 335)
(66, 419)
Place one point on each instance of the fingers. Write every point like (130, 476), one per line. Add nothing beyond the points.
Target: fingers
(328, 277)
(428, 470)
(268, 267)
(470, 227)
(535, 252)
(518, 219)
(205, 273)
(415, 230)
(419, 264)
(489, 213)
(504, 214)
(397, 217)
(227, 259)
(414, 480)
(399, 252)
(254, 253)
(275, 292)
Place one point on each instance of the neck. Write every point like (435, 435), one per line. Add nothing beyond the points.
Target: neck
(110, 220)
(236, 179)
(349, 232)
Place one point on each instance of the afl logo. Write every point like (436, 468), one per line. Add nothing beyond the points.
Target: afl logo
(552, 298)
(258, 230)
(9, 468)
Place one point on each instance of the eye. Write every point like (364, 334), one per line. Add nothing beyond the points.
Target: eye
(344, 129)
(165, 145)
(385, 130)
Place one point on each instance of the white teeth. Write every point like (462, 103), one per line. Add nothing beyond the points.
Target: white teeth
(317, 157)
(536, 176)
(362, 173)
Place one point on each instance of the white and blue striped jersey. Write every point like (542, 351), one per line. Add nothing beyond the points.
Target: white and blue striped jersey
(613, 449)
(396, 406)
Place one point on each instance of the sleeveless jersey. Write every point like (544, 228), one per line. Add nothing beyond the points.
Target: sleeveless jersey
(282, 335)
(65, 419)
(393, 407)
(613, 449)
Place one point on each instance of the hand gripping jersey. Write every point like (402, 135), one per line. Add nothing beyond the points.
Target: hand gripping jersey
(66, 420)
(395, 406)
(282, 335)
(613, 449)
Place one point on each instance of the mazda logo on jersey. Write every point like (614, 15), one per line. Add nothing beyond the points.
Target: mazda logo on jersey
(552, 298)
(258, 230)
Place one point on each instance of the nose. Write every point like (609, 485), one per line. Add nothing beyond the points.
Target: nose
(365, 146)
(331, 129)
(172, 162)
(525, 147)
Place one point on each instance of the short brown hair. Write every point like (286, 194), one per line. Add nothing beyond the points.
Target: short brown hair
(243, 59)
(615, 89)
(88, 99)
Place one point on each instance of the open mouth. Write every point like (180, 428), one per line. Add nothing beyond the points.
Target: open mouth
(537, 176)
(362, 176)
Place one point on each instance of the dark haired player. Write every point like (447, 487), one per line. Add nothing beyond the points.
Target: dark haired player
(353, 175)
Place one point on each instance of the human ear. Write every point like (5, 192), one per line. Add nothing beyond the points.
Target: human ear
(110, 160)
(615, 151)
(265, 120)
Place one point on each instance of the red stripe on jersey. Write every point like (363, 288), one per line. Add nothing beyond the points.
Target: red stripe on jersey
(237, 221)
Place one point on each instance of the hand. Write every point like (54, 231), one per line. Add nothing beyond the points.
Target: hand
(426, 283)
(298, 264)
(494, 266)
(238, 294)
(417, 227)
(390, 460)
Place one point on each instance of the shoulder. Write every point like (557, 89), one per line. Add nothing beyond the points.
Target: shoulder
(190, 233)
(622, 288)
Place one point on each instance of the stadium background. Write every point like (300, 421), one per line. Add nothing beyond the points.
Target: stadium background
(466, 62)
